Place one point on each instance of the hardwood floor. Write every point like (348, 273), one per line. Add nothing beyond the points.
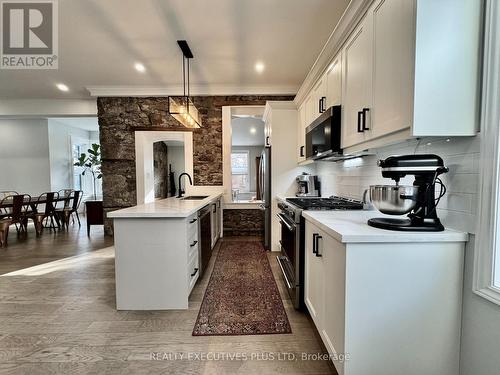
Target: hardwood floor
(59, 316)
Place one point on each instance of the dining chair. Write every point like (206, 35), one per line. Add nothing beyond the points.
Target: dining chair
(16, 216)
(44, 209)
(4, 194)
(66, 194)
(65, 213)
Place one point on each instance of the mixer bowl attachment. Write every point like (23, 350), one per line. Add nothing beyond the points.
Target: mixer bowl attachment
(394, 199)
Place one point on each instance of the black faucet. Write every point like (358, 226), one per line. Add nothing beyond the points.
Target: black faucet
(181, 192)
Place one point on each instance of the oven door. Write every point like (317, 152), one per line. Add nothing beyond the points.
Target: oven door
(288, 260)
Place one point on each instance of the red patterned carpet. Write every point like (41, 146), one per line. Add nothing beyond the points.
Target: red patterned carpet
(242, 297)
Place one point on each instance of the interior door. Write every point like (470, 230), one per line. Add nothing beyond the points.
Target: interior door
(357, 82)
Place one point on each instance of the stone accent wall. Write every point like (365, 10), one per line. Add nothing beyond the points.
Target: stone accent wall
(119, 117)
(160, 169)
(243, 222)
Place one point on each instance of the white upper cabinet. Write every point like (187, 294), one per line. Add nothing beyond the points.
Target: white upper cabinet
(334, 82)
(301, 134)
(393, 61)
(404, 71)
(357, 88)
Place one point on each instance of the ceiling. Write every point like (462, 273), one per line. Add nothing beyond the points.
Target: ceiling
(241, 132)
(100, 41)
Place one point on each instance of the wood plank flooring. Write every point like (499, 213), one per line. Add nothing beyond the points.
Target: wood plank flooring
(58, 316)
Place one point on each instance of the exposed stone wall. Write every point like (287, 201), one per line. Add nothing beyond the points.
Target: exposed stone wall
(119, 117)
(160, 169)
(243, 222)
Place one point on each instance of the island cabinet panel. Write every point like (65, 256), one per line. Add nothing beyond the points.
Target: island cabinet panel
(385, 307)
(157, 262)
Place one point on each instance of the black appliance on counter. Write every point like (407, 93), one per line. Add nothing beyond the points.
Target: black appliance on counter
(421, 203)
(323, 135)
(292, 258)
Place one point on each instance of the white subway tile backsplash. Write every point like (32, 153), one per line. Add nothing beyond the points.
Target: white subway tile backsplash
(457, 209)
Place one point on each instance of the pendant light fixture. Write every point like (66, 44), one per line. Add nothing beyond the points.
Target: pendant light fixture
(181, 107)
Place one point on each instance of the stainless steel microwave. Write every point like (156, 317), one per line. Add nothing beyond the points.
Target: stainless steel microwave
(323, 135)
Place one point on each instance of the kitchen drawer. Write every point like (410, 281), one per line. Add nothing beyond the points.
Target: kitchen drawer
(193, 271)
(192, 246)
(192, 224)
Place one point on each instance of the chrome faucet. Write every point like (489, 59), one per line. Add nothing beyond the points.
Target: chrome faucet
(181, 192)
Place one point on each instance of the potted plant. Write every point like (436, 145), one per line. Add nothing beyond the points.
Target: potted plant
(91, 163)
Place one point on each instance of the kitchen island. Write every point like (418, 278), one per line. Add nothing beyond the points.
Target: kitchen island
(159, 248)
(388, 301)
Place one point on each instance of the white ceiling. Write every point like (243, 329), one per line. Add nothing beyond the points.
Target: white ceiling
(242, 135)
(84, 123)
(99, 42)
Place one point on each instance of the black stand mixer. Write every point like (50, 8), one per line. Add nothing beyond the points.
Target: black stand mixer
(419, 200)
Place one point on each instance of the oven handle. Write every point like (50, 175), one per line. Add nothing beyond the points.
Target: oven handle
(282, 219)
(288, 284)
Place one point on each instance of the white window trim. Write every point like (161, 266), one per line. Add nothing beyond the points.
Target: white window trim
(486, 243)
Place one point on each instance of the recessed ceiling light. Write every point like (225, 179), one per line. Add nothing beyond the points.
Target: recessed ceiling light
(253, 130)
(140, 67)
(259, 67)
(62, 87)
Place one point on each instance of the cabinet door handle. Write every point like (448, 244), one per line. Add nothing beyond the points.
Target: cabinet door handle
(315, 250)
(360, 128)
(193, 221)
(364, 127)
(267, 141)
(301, 151)
(215, 208)
(195, 272)
(193, 244)
(317, 245)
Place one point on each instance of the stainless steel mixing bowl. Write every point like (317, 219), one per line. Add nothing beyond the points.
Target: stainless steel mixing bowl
(392, 199)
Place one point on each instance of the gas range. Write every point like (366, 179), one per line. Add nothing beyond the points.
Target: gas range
(292, 257)
(293, 207)
(332, 203)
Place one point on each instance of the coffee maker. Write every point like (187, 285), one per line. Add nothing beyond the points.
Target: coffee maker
(418, 200)
(308, 186)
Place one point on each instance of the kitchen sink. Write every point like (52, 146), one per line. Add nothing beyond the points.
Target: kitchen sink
(195, 197)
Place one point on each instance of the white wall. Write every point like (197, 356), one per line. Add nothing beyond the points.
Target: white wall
(24, 156)
(480, 318)
(61, 165)
(35, 155)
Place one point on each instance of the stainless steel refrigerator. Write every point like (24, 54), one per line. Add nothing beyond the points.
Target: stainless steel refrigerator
(265, 190)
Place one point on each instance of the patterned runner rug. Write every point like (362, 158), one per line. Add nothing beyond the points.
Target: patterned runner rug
(242, 297)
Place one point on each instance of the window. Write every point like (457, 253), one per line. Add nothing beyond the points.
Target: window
(77, 171)
(486, 282)
(240, 171)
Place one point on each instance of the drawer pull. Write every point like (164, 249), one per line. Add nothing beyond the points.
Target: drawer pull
(193, 244)
(192, 221)
(318, 237)
(195, 272)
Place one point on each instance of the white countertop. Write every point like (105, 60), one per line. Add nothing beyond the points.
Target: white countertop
(351, 226)
(170, 207)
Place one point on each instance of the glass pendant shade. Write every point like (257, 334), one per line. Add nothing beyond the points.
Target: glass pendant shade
(183, 110)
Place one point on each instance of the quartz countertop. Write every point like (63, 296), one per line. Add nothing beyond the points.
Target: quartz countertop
(351, 226)
(164, 208)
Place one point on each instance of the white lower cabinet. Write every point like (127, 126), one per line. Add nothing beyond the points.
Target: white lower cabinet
(385, 308)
